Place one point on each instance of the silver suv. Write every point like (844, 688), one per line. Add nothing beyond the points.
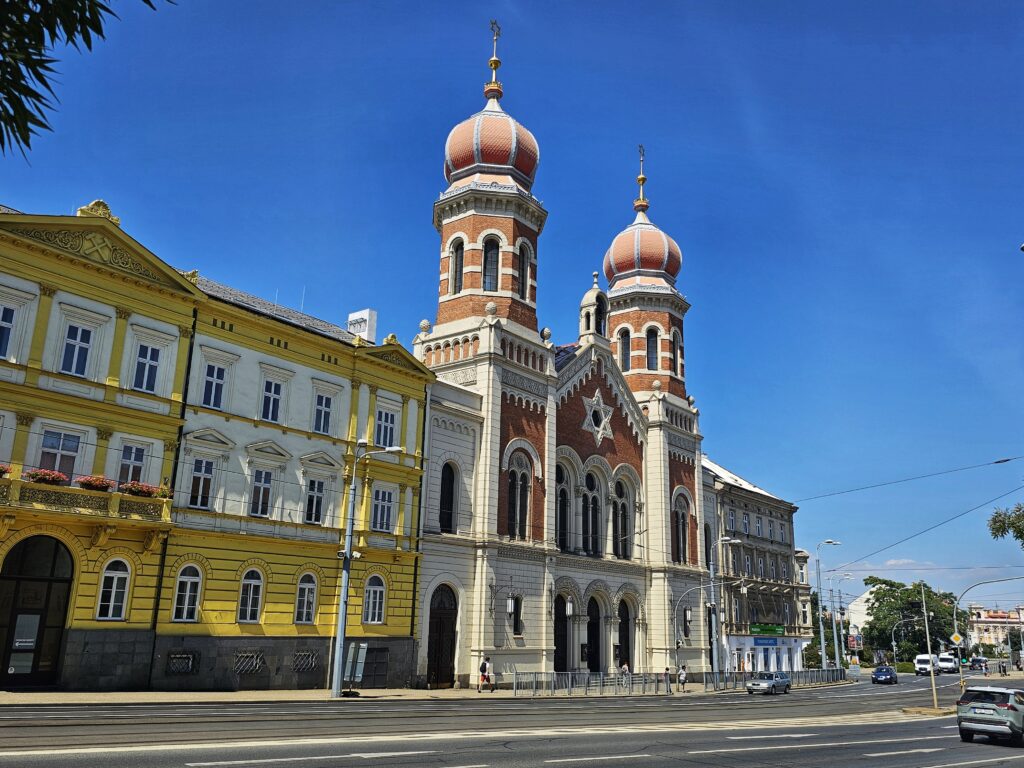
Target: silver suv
(769, 682)
(992, 712)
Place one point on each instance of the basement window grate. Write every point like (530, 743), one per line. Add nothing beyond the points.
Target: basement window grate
(182, 663)
(248, 662)
(305, 661)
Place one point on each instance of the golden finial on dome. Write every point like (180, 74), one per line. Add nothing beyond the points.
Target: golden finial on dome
(493, 89)
(641, 204)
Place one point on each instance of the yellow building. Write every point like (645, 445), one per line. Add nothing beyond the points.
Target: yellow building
(114, 365)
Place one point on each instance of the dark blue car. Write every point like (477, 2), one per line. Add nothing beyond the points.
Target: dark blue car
(884, 675)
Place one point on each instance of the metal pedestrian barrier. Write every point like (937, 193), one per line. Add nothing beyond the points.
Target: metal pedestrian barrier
(802, 679)
(647, 683)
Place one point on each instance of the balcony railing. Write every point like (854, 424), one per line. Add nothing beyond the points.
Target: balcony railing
(63, 499)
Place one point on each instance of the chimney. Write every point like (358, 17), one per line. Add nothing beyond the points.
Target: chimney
(364, 324)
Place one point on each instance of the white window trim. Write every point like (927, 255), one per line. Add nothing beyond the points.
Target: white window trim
(85, 446)
(327, 513)
(332, 391)
(199, 594)
(273, 502)
(280, 376)
(223, 359)
(84, 318)
(215, 479)
(19, 301)
(316, 599)
(395, 502)
(126, 605)
(260, 602)
(383, 602)
(147, 459)
(388, 406)
(165, 343)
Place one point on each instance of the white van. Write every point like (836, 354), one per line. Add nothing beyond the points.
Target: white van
(925, 664)
(948, 662)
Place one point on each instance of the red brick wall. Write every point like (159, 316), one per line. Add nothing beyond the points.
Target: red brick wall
(682, 473)
(622, 448)
(529, 423)
(637, 319)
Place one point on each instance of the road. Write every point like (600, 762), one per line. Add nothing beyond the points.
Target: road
(861, 724)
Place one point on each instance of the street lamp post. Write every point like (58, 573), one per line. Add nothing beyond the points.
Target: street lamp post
(832, 604)
(821, 623)
(928, 639)
(346, 565)
(715, 650)
(893, 637)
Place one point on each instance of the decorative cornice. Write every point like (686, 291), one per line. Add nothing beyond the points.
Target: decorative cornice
(93, 246)
(519, 381)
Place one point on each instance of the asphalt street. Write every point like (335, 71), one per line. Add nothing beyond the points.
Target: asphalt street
(859, 725)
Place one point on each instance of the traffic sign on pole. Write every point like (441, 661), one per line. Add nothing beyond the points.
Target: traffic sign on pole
(956, 638)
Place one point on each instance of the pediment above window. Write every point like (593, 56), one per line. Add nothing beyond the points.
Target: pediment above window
(268, 449)
(319, 460)
(209, 439)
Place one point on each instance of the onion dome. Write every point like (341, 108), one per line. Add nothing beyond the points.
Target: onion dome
(641, 250)
(491, 142)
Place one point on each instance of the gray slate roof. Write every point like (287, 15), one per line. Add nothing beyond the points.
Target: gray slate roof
(564, 354)
(263, 307)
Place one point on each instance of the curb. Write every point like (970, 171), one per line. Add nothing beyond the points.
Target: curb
(939, 712)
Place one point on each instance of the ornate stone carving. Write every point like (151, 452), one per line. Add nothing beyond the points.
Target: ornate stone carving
(170, 446)
(185, 331)
(94, 246)
(103, 434)
(153, 539)
(152, 509)
(192, 277)
(123, 313)
(394, 358)
(598, 420)
(6, 521)
(100, 209)
(47, 290)
(517, 380)
(463, 376)
(66, 502)
(101, 535)
(390, 339)
(25, 419)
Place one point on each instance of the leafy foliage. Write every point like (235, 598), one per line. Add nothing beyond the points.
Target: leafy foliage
(1008, 522)
(894, 604)
(29, 31)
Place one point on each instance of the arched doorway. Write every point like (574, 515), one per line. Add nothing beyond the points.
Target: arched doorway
(593, 636)
(35, 583)
(561, 635)
(441, 637)
(625, 636)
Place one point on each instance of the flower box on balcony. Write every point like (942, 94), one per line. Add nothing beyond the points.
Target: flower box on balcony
(135, 488)
(95, 482)
(5, 470)
(46, 476)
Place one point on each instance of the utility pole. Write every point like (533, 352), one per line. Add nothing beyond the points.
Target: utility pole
(928, 638)
(821, 601)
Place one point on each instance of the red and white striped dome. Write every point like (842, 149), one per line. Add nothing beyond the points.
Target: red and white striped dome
(491, 142)
(642, 250)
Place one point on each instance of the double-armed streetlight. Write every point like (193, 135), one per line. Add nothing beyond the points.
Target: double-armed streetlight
(821, 623)
(347, 555)
(832, 603)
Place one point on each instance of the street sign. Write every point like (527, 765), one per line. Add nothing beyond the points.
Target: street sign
(767, 629)
(956, 638)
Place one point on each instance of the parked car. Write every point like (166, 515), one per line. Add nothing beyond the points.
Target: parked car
(926, 665)
(884, 675)
(992, 712)
(769, 682)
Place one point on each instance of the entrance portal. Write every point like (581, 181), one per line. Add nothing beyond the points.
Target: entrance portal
(593, 636)
(444, 612)
(35, 582)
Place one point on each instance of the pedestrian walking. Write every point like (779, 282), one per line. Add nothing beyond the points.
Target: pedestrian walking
(682, 678)
(486, 675)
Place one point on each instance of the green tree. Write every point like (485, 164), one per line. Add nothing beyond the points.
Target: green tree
(29, 31)
(1008, 522)
(894, 604)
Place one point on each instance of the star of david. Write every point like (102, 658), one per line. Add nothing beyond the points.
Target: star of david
(598, 420)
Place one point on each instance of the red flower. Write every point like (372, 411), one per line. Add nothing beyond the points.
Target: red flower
(95, 482)
(45, 476)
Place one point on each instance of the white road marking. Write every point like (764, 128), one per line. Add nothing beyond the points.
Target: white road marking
(812, 746)
(904, 752)
(977, 762)
(264, 761)
(592, 759)
(772, 736)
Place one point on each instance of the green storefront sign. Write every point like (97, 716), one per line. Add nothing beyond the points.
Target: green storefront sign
(767, 629)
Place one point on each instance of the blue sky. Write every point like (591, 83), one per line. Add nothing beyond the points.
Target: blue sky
(844, 179)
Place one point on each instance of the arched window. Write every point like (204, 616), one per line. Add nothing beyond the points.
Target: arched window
(113, 591)
(518, 495)
(490, 264)
(652, 349)
(447, 511)
(250, 599)
(624, 343)
(517, 616)
(592, 515)
(562, 533)
(678, 533)
(621, 528)
(675, 353)
(586, 321)
(602, 316)
(457, 266)
(373, 601)
(305, 599)
(523, 267)
(186, 594)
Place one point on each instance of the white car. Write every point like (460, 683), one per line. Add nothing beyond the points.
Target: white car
(948, 662)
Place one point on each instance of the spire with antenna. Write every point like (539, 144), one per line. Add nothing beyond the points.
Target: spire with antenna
(641, 204)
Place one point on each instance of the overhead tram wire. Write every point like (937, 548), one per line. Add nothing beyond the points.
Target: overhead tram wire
(908, 479)
(926, 530)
